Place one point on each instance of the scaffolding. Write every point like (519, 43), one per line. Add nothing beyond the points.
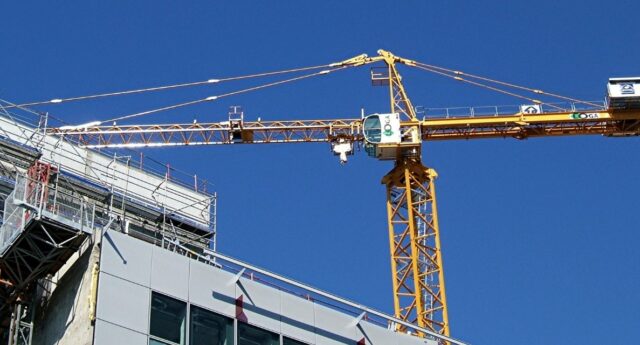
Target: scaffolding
(55, 195)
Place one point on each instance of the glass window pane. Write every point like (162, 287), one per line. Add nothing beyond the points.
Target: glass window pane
(372, 129)
(287, 341)
(249, 335)
(208, 328)
(168, 318)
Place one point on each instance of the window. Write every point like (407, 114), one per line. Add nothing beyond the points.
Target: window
(287, 341)
(168, 320)
(208, 328)
(249, 335)
(372, 129)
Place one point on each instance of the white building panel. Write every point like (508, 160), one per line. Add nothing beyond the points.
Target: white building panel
(333, 327)
(260, 305)
(212, 288)
(127, 258)
(170, 273)
(123, 303)
(297, 318)
(378, 335)
(110, 334)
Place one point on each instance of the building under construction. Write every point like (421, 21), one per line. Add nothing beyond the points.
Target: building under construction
(100, 248)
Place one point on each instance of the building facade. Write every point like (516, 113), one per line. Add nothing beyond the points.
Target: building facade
(150, 295)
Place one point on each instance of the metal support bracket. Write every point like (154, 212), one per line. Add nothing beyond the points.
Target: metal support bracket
(236, 278)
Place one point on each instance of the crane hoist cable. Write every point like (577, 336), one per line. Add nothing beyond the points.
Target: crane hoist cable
(168, 87)
(216, 97)
(511, 85)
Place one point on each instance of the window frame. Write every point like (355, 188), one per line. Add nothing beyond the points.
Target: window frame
(234, 321)
(240, 323)
(283, 337)
(186, 320)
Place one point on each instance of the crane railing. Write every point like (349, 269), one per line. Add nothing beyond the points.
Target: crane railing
(498, 110)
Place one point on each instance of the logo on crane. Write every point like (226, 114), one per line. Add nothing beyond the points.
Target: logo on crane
(584, 116)
(387, 128)
(531, 109)
(627, 89)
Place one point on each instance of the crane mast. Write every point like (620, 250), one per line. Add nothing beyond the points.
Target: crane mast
(412, 217)
(418, 282)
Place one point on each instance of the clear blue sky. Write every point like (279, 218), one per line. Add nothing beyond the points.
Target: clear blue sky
(540, 236)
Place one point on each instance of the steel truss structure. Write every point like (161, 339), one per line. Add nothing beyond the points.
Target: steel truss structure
(42, 229)
(43, 247)
(21, 325)
(414, 242)
(518, 126)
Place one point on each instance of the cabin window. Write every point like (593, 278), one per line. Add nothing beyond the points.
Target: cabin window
(372, 129)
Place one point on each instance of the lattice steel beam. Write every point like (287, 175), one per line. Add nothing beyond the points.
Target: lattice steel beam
(414, 242)
(304, 131)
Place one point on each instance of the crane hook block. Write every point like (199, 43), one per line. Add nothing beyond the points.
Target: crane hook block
(342, 147)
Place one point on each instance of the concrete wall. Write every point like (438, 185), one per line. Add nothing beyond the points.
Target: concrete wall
(64, 319)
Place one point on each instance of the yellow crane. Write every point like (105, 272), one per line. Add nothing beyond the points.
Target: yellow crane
(419, 293)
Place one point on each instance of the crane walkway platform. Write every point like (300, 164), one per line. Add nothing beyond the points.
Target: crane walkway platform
(41, 229)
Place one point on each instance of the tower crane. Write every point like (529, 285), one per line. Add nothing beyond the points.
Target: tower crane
(419, 294)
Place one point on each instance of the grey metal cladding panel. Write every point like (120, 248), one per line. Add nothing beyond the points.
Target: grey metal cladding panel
(123, 303)
(126, 257)
(212, 288)
(377, 335)
(297, 319)
(414, 340)
(170, 273)
(261, 304)
(109, 334)
(333, 327)
(426, 342)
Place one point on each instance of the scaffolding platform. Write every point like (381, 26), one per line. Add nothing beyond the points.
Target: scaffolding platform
(41, 229)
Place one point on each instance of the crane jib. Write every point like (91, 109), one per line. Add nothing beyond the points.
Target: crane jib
(369, 130)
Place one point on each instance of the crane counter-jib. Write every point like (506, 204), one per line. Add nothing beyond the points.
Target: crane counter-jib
(521, 126)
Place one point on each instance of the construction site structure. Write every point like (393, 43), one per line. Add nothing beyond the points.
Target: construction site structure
(56, 194)
(97, 249)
